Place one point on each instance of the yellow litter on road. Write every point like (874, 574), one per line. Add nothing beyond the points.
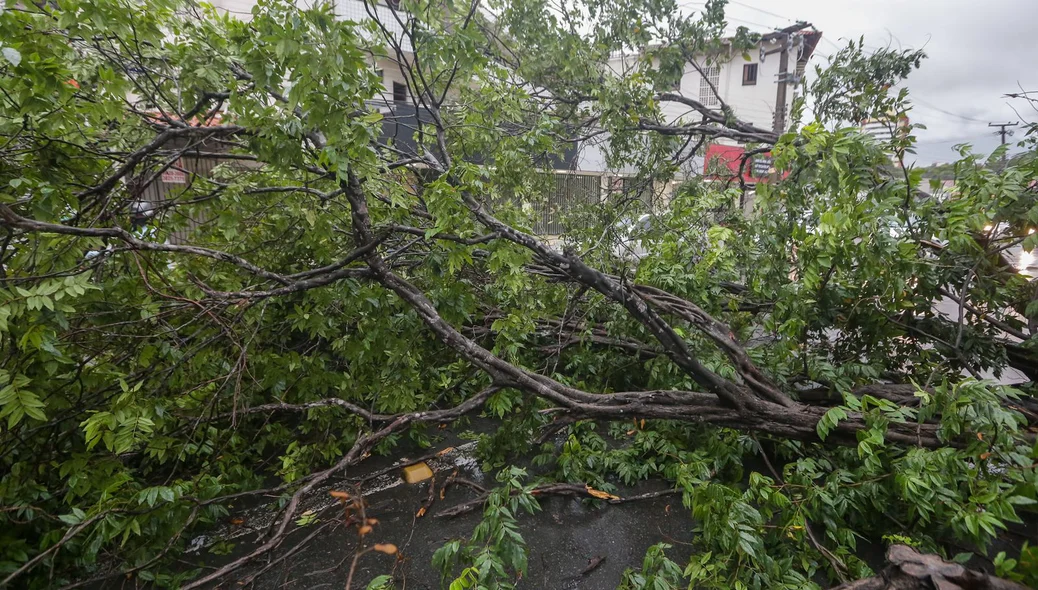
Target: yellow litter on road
(417, 472)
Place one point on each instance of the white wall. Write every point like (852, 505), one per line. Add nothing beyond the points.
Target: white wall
(355, 10)
(754, 103)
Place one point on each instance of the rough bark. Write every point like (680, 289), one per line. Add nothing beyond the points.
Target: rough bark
(910, 570)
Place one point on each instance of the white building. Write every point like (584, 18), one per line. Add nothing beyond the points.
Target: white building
(886, 131)
(751, 88)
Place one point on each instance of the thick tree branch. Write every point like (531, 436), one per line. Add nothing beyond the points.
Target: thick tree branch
(11, 219)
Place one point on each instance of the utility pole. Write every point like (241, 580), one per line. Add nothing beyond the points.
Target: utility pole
(780, 107)
(780, 96)
(1002, 129)
(784, 38)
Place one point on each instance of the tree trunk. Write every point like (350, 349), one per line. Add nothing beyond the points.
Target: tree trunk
(910, 570)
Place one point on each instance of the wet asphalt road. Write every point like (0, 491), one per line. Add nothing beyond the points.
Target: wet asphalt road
(563, 538)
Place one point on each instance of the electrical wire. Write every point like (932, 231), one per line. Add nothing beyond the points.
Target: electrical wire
(954, 141)
(923, 103)
(762, 11)
(686, 4)
(830, 42)
(918, 101)
(744, 21)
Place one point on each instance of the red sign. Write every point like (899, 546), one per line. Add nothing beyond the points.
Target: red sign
(723, 162)
(174, 176)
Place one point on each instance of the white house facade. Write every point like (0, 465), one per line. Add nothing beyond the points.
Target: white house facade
(747, 82)
(751, 83)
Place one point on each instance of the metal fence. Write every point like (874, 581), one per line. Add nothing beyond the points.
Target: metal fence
(640, 189)
(569, 198)
(567, 195)
(181, 177)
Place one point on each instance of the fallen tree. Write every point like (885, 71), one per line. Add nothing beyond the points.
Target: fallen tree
(910, 569)
(329, 287)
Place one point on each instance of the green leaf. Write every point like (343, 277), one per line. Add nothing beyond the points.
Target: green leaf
(829, 421)
(16, 402)
(962, 558)
(380, 583)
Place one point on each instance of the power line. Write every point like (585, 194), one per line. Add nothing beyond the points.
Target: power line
(687, 4)
(744, 5)
(919, 101)
(830, 42)
(785, 18)
(923, 141)
(928, 114)
(742, 20)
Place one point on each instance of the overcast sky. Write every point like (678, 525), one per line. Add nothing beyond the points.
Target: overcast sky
(978, 51)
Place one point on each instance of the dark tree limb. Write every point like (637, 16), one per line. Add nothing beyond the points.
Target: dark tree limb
(355, 455)
(11, 219)
(910, 570)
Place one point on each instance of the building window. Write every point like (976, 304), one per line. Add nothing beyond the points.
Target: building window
(712, 80)
(749, 74)
(399, 92)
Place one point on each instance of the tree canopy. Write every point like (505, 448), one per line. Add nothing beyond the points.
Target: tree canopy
(327, 290)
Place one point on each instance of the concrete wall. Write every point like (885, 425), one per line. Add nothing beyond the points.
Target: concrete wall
(753, 103)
